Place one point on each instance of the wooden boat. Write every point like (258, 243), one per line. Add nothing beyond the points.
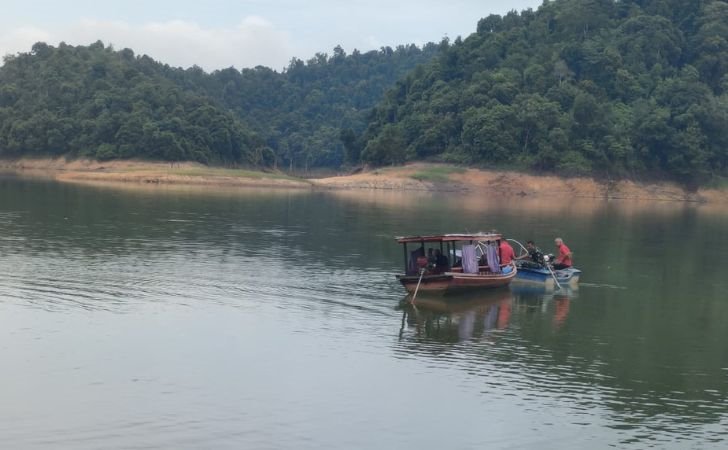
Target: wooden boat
(466, 262)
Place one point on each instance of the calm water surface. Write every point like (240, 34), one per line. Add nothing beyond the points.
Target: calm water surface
(182, 319)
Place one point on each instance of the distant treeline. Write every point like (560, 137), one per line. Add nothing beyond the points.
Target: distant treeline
(93, 101)
(602, 87)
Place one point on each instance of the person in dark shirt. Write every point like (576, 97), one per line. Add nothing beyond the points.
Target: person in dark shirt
(431, 256)
(534, 253)
(441, 262)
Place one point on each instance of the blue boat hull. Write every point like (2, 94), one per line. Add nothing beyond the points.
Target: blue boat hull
(543, 275)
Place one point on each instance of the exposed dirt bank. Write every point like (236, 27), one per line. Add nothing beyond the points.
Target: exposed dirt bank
(148, 172)
(429, 177)
(417, 177)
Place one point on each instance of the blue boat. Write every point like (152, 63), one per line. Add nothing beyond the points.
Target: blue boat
(541, 272)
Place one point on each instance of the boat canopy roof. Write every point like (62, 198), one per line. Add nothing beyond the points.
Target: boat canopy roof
(450, 237)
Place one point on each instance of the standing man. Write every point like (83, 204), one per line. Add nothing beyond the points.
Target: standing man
(563, 261)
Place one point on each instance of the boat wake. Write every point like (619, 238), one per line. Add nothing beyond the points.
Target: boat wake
(600, 285)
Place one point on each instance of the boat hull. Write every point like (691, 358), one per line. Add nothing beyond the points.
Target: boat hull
(542, 275)
(453, 282)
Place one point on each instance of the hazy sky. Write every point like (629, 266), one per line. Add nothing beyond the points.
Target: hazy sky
(216, 34)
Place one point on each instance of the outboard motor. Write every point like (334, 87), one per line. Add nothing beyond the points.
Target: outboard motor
(541, 258)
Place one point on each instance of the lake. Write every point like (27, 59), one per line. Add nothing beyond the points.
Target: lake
(171, 318)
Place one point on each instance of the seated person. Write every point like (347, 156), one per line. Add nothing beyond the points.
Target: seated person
(441, 262)
(534, 253)
(534, 256)
(417, 261)
(431, 256)
(422, 263)
(563, 261)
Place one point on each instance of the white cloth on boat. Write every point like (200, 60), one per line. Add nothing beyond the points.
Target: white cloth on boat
(470, 261)
(491, 252)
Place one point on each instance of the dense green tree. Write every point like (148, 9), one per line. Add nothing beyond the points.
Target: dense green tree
(386, 148)
(301, 112)
(710, 44)
(625, 88)
(99, 103)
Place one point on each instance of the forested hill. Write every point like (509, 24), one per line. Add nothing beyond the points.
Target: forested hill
(307, 112)
(98, 103)
(93, 101)
(618, 88)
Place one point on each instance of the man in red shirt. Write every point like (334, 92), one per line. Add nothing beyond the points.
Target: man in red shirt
(563, 261)
(506, 253)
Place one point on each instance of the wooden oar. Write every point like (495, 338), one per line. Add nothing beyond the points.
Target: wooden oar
(422, 272)
(548, 266)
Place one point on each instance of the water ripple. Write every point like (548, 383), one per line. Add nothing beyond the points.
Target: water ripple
(134, 321)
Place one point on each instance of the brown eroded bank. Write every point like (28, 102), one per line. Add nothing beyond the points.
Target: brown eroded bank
(418, 177)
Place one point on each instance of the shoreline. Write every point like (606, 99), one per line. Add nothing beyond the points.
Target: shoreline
(146, 172)
(424, 177)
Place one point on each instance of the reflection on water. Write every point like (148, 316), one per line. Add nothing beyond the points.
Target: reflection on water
(477, 315)
(177, 318)
(554, 300)
(523, 340)
(457, 318)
